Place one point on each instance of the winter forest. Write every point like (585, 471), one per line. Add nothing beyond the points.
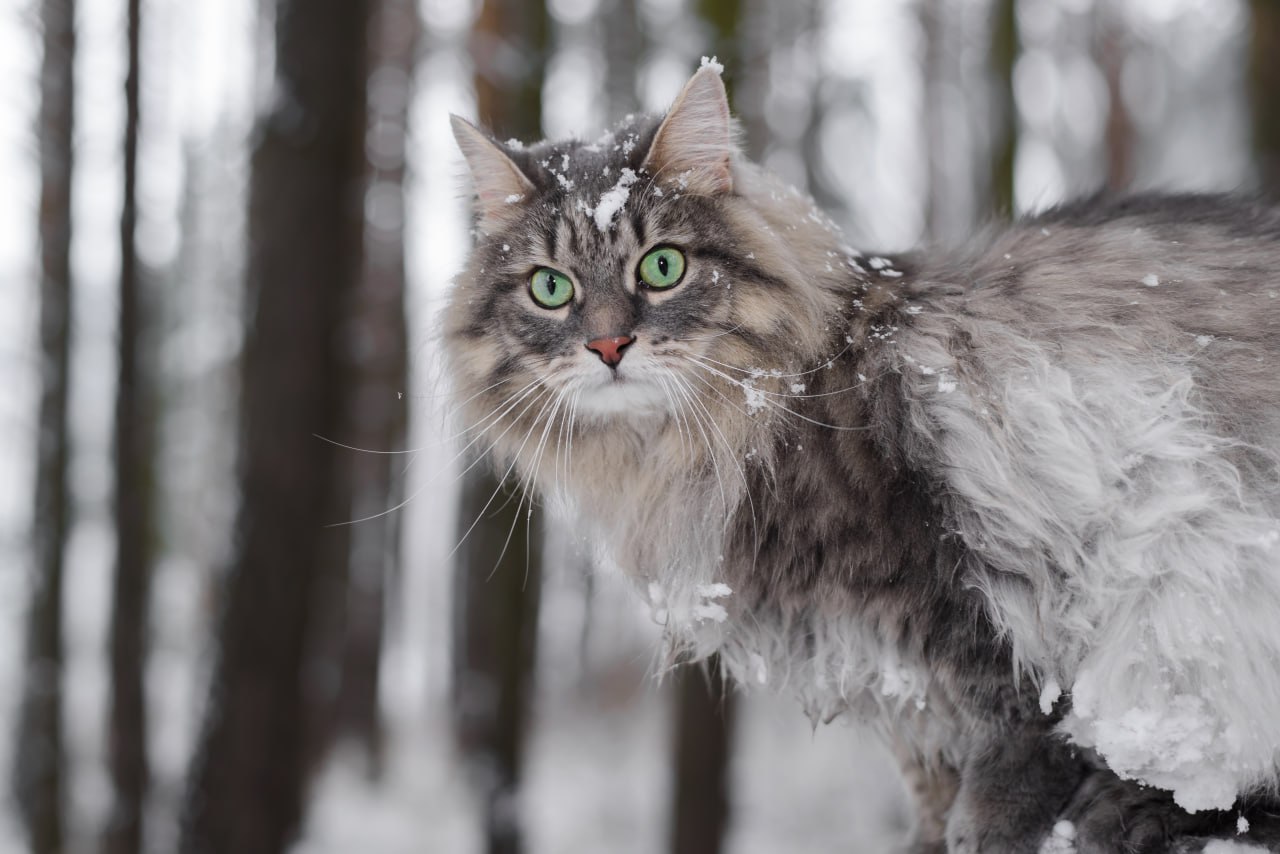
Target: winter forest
(256, 592)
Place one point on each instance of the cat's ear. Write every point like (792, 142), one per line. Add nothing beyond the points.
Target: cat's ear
(694, 143)
(499, 183)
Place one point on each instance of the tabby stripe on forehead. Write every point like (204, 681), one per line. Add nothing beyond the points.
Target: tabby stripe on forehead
(549, 236)
(637, 225)
(739, 268)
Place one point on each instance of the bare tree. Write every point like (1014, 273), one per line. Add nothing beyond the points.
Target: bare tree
(623, 47)
(498, 582)
(1004, 54)
(1264, 91)
(305, 226)
(376, 343)
(1111, 44)
(38, 767)
(703, 742)
(134, 456)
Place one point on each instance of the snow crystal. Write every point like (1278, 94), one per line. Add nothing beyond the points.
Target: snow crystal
(1049, 695)
(515, 144)
(513, 198)
(613, 200)
(506, 247)
(797, 388)
(878, 263)
(892, 274)
(758, 665)
(712, 64)
(1203, 340)
(1242, 825)
(714, 591)
(1151, 280)
(914, 309)
(946, 385)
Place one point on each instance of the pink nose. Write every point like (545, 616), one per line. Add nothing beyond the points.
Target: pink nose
(610, 349)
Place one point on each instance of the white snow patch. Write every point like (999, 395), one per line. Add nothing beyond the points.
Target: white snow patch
(1151, 280)
(613, 200)
(712, 64)
(755, 397)
(1242, 825)
(1061, 841)
(1227, 846)
(714, 591)
(1049, 695)
(710, 611)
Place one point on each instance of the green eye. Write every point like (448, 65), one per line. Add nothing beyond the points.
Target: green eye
(550, 288)
(662, 268)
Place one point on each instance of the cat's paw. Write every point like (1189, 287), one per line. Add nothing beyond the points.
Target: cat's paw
(1114, 816)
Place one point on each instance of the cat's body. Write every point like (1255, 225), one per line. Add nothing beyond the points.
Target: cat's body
(926, 491)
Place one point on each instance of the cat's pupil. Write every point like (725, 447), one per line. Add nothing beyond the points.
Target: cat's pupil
(663, 264)
(551, 284)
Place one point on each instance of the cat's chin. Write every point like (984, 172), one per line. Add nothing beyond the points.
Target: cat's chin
(625, 398)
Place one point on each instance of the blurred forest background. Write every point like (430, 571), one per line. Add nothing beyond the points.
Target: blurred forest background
(252, 590)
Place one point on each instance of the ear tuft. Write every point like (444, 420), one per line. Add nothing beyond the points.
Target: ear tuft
(499, 183)
(694, 144)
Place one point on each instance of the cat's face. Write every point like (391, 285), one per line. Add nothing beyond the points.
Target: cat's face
(621, 278)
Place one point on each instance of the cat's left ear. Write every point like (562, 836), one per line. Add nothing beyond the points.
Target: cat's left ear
(499, 183)
(694, 143)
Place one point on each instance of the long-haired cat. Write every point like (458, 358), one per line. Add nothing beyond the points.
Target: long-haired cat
(1018, 507)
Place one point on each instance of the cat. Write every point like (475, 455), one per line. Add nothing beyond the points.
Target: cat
(1019, 506)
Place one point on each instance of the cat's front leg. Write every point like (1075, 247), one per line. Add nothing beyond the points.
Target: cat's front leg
(1013, 787)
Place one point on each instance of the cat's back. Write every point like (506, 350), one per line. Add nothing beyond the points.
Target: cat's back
(1128, 297)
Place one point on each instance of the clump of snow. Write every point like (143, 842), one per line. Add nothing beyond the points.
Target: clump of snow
(613, 200)
(1151, 280)
(1227, 846)
(1061, 841)
(878, 263)
(710, 611)
(714, 591)
(513, 198)
(946, 385)
(712, 64)
(759, 668)
(1242, 825)
(1171, 742)
(1203, 340)
(1049, 695)
(755, 397)
(797, 388)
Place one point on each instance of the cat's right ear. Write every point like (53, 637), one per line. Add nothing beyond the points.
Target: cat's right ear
(499, 183)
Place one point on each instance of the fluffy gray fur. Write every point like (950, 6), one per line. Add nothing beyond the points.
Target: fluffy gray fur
(1018, 507)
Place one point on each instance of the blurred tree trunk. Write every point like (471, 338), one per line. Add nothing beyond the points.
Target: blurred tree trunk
(38, 763)
(1264, 86)
(623, 48)
(1004, 55)
(1118, 137)
(134, 456)
(497, 595)
(704, 735)
(245, 791)
(376, 343)
(723, 19)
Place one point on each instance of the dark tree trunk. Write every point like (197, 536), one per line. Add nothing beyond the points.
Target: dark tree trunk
(1004, 53)
(305, 216)
(38, 777)
(376, 343)
(1264, 91)
(623, 48)
(134, 452)
(498, 582)
(1119, 137)
(723, 19)
(704, 735)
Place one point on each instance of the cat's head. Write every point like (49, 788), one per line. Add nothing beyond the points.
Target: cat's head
(623, 277)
